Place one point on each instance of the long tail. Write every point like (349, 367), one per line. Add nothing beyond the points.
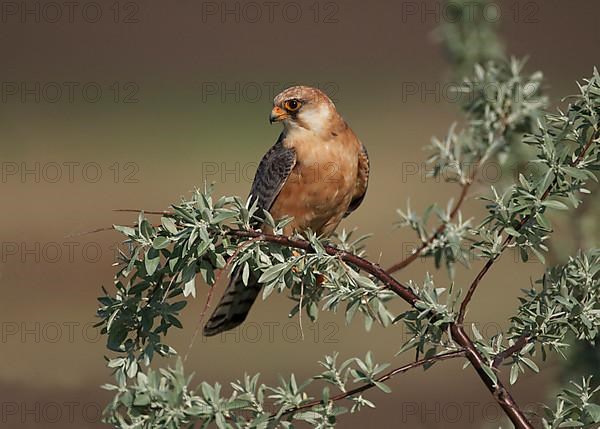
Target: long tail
(234, 305)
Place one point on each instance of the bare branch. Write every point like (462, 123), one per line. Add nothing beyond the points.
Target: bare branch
(154, 212)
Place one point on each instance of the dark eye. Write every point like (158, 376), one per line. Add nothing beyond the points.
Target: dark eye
(292, 105)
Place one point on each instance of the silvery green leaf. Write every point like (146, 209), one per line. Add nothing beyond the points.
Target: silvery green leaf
(190, 288)
(160, 243)
(169, 224)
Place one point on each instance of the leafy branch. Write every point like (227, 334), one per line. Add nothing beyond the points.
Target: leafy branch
(502, 105)
(203, 236)
(158, 266)
(577, 172)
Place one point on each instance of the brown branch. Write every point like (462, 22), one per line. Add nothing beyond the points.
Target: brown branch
(112, 228)
(152, 212)
(519, 345)
(490, 262)
(385, 377)
(94, 231)
(497, 389)
(463, 305)
(375, 270)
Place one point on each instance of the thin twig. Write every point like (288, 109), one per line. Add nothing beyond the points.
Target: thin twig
(94, 231)
(112, 228)
(385, 377)
(169, 286)
(155, 212)
(300, 310)
(419, 250)
(199, 324)
(519, 345)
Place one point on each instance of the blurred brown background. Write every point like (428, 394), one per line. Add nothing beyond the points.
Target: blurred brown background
(133, 104)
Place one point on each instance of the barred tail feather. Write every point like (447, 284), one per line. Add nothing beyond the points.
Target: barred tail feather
(234, 305)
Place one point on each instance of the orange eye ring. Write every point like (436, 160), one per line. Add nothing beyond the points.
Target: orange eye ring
(292, 105)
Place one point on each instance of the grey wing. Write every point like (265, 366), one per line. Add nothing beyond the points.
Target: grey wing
(362, 181)
(272, 173)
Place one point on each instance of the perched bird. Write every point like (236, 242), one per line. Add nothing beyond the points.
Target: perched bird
(317, 172)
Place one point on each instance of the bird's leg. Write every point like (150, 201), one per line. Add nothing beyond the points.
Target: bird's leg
(320, 279)
(296, 254)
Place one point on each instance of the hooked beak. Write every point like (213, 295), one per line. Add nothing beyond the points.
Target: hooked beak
(277, 115)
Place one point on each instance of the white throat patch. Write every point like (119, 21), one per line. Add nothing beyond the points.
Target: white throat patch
(317, 119)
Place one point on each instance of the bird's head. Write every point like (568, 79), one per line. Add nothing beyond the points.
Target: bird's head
(303, 107)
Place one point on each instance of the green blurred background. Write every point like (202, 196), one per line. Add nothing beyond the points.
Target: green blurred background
(185, 96)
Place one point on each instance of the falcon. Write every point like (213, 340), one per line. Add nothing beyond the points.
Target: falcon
(317, 173)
